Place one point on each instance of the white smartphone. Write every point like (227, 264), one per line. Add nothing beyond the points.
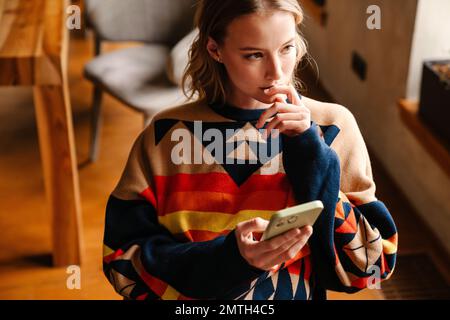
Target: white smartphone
(293, 217)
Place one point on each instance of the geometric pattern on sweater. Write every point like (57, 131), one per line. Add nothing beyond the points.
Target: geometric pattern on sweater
(169, 229)
(238, 169)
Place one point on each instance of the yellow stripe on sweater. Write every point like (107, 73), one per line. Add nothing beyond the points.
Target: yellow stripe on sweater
(107, 250)
(170, 294)
(185, 220)
(390, 245)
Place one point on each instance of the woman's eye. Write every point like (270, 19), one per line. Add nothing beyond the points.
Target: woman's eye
(253, 56)
(289, 48)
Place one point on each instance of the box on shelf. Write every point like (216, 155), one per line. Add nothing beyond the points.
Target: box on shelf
(434, 107)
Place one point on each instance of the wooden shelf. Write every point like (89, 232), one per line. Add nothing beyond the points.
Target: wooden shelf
(434, 145)
(314, 11)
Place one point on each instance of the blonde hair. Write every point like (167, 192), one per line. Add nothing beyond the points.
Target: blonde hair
(205, 77)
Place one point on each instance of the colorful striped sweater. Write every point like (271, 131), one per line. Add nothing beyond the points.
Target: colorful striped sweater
(169, 228)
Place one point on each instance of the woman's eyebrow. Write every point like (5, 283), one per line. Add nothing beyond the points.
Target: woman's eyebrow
(255, 49)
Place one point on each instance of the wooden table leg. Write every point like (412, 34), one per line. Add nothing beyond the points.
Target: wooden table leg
(57, 147)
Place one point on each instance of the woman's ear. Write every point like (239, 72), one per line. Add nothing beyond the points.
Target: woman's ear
(213, 49)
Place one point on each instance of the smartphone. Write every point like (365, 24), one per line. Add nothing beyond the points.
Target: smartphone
(293, 217)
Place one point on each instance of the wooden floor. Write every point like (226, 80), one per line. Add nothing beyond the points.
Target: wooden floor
(25, 246)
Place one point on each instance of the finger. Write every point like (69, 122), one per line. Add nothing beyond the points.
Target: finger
(292, 127)
(278, 241)
(243, 229)
(279, 99)
(275, 108)
(269, 112)
(281, 117)
(273, 260)
(280, 256)
(266, 258)
(293, 251)
(288, 90)
(281, 107)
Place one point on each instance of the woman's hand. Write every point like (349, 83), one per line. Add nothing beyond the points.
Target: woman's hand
(267, 254)
(289, 118)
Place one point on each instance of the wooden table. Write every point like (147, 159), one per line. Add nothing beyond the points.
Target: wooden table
(33, 52)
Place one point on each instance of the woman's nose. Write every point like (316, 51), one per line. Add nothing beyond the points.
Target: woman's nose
(274, 69)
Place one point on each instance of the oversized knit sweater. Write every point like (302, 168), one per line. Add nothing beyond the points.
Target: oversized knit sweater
(169, 229)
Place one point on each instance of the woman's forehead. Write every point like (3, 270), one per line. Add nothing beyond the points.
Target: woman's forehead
(261, 29)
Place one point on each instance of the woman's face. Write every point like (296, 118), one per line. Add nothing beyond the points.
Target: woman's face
(258, 52)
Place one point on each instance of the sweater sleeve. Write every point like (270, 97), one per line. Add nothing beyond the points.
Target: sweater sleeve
(354, 241)
(143, 260)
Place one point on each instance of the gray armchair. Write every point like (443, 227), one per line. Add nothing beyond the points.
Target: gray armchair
(136, 76)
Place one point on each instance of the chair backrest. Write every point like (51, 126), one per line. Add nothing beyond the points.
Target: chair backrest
(155, 21)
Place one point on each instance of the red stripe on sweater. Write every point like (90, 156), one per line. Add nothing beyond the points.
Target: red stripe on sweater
(156, 285)
(360, 283)
(142, 296)
(149, 196)
(307, 266)
(113, 256)
(278, 188)
(223, 203)
(294, 268)
(219, 182)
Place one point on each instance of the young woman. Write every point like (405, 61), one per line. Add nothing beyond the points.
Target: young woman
(185, 219)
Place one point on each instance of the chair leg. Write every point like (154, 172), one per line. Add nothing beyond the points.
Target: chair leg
(95, 123)
(97, 44)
